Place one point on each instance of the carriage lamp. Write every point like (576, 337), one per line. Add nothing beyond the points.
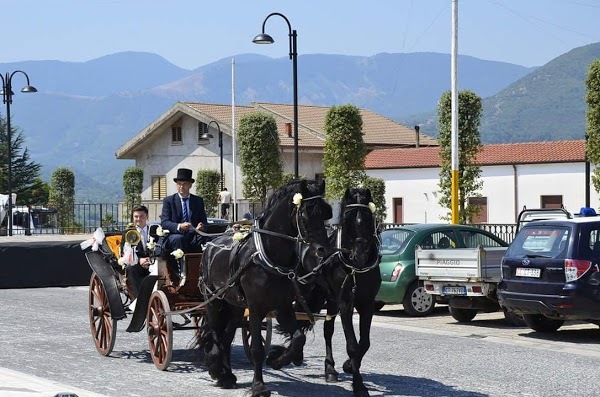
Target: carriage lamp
(264, 38)
(7, 95)
(208, 135)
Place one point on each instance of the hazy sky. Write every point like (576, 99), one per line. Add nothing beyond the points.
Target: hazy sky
(192, 33)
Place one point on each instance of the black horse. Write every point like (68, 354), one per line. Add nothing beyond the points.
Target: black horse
(259, 272)
(352, 281)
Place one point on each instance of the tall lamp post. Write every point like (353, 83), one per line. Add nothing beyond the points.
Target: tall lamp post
(264, 38)
(208, 135)
(7, 99)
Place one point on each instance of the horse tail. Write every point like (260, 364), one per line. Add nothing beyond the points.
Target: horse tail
(210, 351)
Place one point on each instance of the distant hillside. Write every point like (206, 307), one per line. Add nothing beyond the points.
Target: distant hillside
(546, 105)
(85, 110)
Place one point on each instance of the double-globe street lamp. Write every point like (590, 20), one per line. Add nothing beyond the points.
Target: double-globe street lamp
(208, 135)
(264, 38)
(7, 99)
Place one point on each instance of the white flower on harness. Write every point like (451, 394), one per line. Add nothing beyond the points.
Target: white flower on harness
(372, 207)
(178, 253)
(123, 262)
(151, 244)
(239, 236)
(297, 198)
(160, 232)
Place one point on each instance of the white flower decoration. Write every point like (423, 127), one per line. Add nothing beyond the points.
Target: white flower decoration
(122, 261)
(160, 231)
(297, 198)
(372, 207)
(178, 253)
(238, 236)
(151, 244)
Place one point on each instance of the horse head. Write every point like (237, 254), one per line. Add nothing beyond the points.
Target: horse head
(357, 227)
(310, 213)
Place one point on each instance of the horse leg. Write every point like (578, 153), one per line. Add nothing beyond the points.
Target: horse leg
(228, 380)
(217, 346)
(352, 365)
(257, 349)
(365, 313)
(294, 352)
(331, 374)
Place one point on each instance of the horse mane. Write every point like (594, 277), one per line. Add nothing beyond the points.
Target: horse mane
(282, 193)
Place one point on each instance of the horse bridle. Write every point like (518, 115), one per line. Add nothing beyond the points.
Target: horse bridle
(340, 249)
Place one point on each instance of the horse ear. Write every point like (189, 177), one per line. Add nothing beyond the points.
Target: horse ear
(369, 195)
(347, 194)
(303, 187)
(322, 186)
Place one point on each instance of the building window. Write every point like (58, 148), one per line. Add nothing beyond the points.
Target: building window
(176, 135)
(481, 203)
(202, 129)
(398, 210)
(159, 187)
(551, 201)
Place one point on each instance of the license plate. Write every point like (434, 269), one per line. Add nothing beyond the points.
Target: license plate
(528, 272)
(454, 290)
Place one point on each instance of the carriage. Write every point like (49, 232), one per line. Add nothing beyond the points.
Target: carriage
(164, 294)
(263, 272)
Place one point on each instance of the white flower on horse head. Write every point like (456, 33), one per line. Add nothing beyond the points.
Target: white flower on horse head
(297, 198)
(178, 253)
(159, 231)
(237, 236)
(372, 207)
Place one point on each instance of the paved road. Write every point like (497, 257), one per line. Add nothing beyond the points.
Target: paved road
(46, 347)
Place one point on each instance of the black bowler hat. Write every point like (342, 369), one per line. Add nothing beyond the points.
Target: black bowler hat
(184, 174)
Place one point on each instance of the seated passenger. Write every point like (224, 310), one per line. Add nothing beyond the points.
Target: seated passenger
(138, 261)
(181, 213)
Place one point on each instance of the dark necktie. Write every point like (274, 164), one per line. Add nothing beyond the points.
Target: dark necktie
(185, 211)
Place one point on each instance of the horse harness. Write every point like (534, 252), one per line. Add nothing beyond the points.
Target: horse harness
(260, 258)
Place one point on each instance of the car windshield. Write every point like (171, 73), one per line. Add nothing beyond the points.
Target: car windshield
(540, 242)
(394, 240)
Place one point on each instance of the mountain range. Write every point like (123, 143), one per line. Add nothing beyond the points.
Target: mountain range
(84, 111)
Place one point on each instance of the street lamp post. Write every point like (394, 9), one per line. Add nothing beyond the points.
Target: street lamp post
(7, 99)
(208, 135)
(264, 38)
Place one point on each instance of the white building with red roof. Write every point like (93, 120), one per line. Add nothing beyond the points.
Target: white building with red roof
(515, 175)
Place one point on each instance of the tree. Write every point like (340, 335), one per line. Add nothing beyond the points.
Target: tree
(40, 192)
(62, 195)
(345, 150)
(207, 186)
(377, 188)
(469, 144)
(260, 156)
(593, 121)
(24, 171)
(133, 183)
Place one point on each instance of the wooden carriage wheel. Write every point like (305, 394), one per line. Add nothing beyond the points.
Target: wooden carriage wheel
(266, 335)
(102, 325)
(160, 330)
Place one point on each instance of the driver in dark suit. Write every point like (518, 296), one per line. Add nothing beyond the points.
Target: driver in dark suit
(181, 213)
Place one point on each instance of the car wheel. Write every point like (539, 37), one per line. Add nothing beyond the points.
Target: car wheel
(541, 323)
(514, 318)
(462, 315)
(417, 302)
(379, 305)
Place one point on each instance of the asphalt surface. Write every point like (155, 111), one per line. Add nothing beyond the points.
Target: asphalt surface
(46, 348)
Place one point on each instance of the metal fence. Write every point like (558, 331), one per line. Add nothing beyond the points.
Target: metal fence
(506, 231)
(86, 218)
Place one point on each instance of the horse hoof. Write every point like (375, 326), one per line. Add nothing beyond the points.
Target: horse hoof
(331, 378)
(361, 393)
(274, 354)
(298, 360)
(260, 391)
(227, 382)
(348, 367)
